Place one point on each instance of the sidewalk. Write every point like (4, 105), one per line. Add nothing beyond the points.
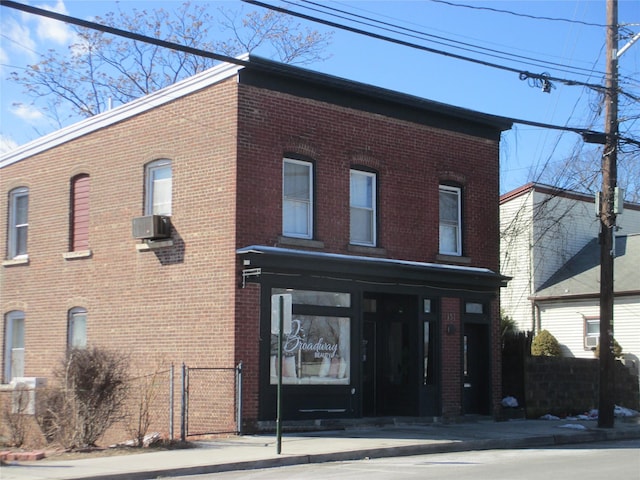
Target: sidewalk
(352, 443)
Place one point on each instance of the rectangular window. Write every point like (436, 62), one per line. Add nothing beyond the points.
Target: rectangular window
(297, 199)
(80, 213)
(450, 221)
(77, 328)
(316, 352)
(159, 184)
(18, 222)
(591, 333)
(14, 346)
(363, 208)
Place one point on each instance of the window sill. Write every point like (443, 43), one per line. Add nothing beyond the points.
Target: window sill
(153, 245)
(381, 252)
(300, 242)
(453, 259)
(16, 261)
(77, 254)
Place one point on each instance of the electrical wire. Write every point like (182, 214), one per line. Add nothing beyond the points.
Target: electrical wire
(421, 47)
(245, 63)
(412, 33)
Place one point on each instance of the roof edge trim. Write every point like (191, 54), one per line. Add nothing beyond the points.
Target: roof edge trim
(165, 95)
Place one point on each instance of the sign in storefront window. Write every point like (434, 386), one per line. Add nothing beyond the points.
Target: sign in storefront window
(316, 352)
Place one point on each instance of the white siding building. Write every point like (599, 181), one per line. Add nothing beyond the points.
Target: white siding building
(542, 228)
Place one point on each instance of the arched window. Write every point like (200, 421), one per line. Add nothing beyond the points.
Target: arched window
(363, 208)
(77, 328)
(18, 222)
(79, 222)
(158, 188)
(13, 345)
(450, 220)
(297, 198)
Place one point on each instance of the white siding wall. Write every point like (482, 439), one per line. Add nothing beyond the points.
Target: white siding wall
(515, 259)
(565, 320)
(539, 233)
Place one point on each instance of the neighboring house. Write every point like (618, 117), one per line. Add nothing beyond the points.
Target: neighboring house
(568, 303)
(162, 228)
(545, 233)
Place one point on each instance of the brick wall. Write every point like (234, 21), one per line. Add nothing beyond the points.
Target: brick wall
(569, 386)
(182, 303)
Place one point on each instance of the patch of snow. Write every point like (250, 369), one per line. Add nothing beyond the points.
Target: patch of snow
(574, 426)
(624, 412)
(548, 416)
(509, 402)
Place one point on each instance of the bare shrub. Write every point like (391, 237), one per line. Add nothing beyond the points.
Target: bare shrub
(143, 394)
(88, 398)
(14, 414)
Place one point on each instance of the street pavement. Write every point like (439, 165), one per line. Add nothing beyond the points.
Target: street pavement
(392, 438)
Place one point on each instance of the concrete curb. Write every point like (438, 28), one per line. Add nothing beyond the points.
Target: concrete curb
(381, 452)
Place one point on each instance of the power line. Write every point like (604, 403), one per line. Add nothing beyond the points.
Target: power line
(509, 12)
(439, 39)
(422, 47)
(227, 59)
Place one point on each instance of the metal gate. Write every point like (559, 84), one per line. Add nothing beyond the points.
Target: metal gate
(211, 401)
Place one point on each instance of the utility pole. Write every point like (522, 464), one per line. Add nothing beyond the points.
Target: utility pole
(608, 223)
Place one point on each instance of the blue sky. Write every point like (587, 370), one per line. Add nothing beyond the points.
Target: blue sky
(525, 150)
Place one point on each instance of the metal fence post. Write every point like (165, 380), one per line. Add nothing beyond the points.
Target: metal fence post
(239, 399)
(171, 410)
(183, 405)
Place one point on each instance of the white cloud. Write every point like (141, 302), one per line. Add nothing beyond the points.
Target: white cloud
(51, 30)
(19, 39)
(6, 144)
(26, 112)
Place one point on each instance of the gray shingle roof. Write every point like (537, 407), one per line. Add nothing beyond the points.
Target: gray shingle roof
(581, 274)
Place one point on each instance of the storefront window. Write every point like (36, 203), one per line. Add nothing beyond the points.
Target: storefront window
(323, 299)
(316, 352)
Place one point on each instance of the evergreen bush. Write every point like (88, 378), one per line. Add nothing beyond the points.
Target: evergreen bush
(545, 344)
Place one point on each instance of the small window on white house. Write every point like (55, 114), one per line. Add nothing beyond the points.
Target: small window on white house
(158, 188)
(77, 328)
(363, 208)
(297, 198)
(591, 333)
(450, 221)
(18, 223)
(14, 345)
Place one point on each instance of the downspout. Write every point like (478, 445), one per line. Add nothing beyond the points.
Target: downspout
(537, 323)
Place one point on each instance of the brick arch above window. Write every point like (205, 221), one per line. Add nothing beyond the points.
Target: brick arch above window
(449, 177)
(365, 159)
(300, 146)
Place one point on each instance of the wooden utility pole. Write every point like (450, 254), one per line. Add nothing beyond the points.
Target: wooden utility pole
(608, 222)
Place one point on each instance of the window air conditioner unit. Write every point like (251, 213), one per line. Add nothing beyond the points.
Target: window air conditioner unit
(23, 398)
(151, 227)
(591, 341)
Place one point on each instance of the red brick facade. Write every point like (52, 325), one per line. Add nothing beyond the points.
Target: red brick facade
(184, 303)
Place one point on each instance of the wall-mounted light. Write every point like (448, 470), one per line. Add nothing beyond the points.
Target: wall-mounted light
(451, 329)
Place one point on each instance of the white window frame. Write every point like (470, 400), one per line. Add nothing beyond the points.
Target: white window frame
(12, 368)
(77, 328)
(446, 225)
(371, 210)
(590, 335)
(152, 204)
(300, 204)
(15, 249)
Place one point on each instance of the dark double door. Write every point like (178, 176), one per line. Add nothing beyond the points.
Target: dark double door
(390, 376)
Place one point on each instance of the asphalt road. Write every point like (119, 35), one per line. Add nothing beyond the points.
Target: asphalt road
(591, 461)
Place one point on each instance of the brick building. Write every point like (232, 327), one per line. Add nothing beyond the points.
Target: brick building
(163, 228)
